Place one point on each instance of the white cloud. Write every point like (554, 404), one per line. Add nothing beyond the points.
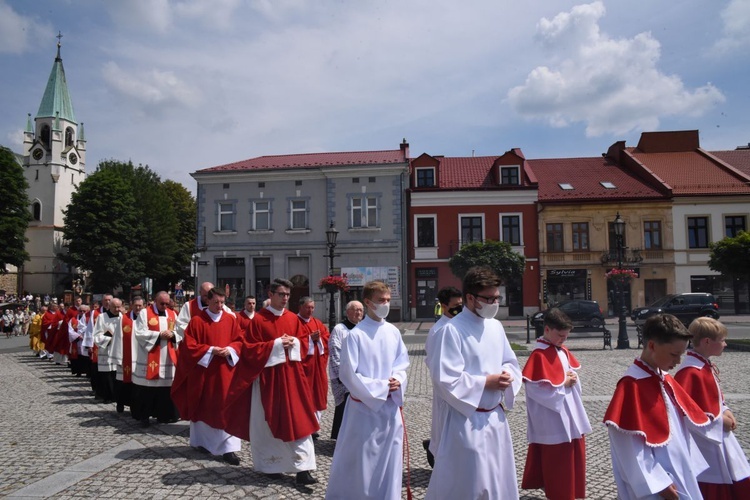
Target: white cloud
(142, 15)
(150, 90)
(736, 20)
(613, 86)
(18, 33)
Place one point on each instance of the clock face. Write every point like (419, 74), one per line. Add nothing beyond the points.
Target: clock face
(73, 158)
(37, 154)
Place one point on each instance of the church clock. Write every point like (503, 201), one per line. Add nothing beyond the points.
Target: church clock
(73, 158)
(37, 154)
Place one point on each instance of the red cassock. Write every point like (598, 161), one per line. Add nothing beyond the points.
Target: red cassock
(244, 320)
(316, 364)
(50, 320)
(62, 342)
(199, 393)
(284, 388)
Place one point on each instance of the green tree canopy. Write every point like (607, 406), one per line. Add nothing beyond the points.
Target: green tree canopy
(185, 209)
(497, 255)
(731, 256)
(103, 228)
(14, 211)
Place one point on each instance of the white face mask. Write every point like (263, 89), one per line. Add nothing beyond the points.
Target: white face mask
(381, 310)
(487, 311)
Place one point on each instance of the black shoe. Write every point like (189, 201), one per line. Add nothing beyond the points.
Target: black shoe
(231, 458)
(120, 407)
(430, 456)
(315, 435)
(201, 449)
(275, 475)
(145, 423)
(305, 477)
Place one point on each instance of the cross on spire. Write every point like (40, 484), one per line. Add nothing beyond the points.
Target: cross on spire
(59, 37)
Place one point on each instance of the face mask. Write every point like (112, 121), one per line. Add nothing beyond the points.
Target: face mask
(487, 311)
(381, 310)
(455, 310)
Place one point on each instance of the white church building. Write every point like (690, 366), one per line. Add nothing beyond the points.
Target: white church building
(54, 162)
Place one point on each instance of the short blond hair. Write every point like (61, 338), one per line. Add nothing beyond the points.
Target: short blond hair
(373, 287)
(706, 328)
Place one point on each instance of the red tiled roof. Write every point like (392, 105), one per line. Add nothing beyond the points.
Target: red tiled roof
(738, 158)
(691, 173)
(585, 175)
(472, 172)
(313, 160)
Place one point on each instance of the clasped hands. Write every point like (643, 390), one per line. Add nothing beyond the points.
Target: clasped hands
(223, 352)
(498, 381)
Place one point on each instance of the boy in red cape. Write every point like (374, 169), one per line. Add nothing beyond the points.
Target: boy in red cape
(728, 474)
(650, 419)
(557, 421)
(281, 419)
(206, 358)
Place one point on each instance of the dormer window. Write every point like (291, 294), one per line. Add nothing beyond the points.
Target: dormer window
(510, 175)
(425, 177)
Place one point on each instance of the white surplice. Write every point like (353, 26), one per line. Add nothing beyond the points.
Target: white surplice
(438, 404)
(368, 460)
(474, 458)
(104, 324)
(642, 471)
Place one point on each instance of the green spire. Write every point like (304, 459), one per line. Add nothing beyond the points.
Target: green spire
(81, 135)
(29, 128)
(56, 97)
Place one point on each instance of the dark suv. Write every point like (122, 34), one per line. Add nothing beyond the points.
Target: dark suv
(686, 306)
(583, 313)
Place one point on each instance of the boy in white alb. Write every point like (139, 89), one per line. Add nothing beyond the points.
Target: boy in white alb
(729, 473)
(650, 420)
(556, 418)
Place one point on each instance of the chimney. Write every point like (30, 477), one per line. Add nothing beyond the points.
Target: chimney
(404, 146)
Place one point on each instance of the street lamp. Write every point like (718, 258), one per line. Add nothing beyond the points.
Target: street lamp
(331, 235)
(622, 336)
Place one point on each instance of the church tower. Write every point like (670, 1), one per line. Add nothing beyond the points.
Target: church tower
(54, 160)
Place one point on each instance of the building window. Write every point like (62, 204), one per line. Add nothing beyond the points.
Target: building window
(580, 236)
(471, 229)
(511, 229)
(365, 211)
(697, 232)
(555, 237)
(225, 186)
(510, 175)
(426, 232)
(36, 210)
(425, 177)
(371, 179)
(298, 209)
(261, 215)
(652, 235)
(297, 183)
(733, 224)
(355, 180)
(226, 217)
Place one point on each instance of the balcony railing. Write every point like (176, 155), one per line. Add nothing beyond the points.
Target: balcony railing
(629, 256)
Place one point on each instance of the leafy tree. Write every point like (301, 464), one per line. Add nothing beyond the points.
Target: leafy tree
(185, 209)
(155, 211)
(497, 255)
(14, 211)
(103, 227)
(731, 256)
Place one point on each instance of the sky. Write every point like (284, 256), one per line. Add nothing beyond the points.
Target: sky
(182, 85)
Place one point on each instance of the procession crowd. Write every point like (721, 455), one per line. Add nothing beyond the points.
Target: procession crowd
(263, 376)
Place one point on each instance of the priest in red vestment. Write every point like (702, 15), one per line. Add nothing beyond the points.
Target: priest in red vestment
(269, 401)
(50, 323)
(206, 359)
(316, 359)
(248, 312)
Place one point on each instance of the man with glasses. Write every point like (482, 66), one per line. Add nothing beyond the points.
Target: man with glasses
(270, 402)
(477, 374)
(156, 356)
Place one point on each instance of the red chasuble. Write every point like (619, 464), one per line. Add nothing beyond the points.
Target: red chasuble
(62, 342)
(316, 364)
(698, 380)
(127, 349)
(49, 328)
(199, 393)
(544, 365)
(638, 406)
(244, 320)
(284, 389)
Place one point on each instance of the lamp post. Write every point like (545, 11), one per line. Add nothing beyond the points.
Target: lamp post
(622, 336)
(331, 235)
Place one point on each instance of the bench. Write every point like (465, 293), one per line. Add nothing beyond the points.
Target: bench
(606, 334)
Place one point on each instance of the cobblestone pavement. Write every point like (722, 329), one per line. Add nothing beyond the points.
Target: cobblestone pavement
(45, 410)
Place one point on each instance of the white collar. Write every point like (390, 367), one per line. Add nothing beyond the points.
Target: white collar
(276, 312)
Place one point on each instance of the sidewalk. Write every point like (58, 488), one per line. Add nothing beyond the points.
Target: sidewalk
(46, 411)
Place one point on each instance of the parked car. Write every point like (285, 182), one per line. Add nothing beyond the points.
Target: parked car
(685, 306)
(583, 314)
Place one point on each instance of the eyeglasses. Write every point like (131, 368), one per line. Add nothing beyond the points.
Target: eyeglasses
(282, 294)
(489, 300)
